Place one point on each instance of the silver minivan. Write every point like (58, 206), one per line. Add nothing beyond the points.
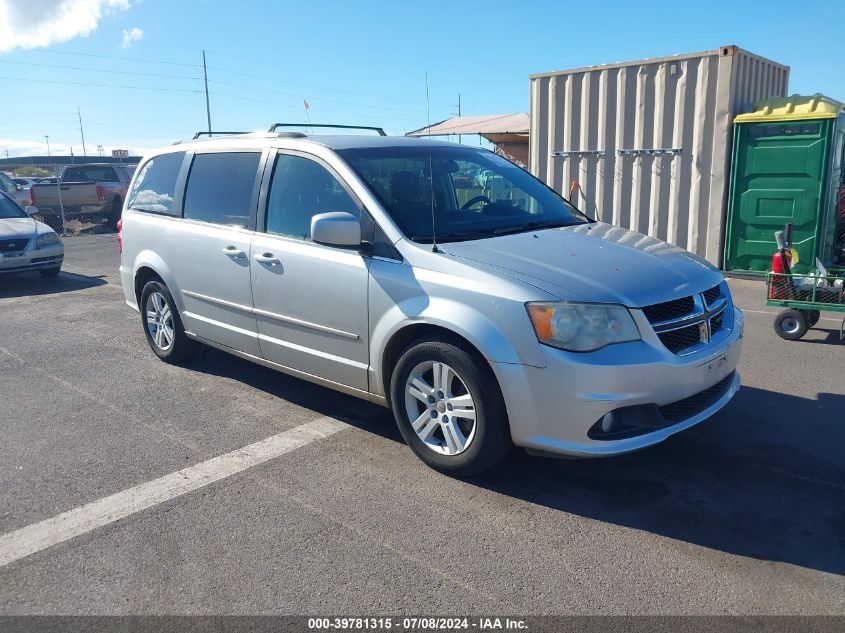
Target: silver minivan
(487, 312)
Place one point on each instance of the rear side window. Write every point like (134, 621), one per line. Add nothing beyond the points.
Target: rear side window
(155, 186)
(220, 187)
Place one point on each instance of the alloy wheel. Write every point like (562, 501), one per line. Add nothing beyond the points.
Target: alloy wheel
(159, 321)
(440, 408)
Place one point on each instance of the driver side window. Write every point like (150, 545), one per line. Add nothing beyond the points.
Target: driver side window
(300, 189)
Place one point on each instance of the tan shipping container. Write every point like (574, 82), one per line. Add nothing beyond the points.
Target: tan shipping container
(649, 142)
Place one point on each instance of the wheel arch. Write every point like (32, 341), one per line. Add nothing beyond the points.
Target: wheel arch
(149, 266)
(465, 327)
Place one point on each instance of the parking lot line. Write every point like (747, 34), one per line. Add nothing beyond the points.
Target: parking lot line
(67, 525)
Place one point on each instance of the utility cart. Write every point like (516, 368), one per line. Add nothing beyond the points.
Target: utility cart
(805, 297)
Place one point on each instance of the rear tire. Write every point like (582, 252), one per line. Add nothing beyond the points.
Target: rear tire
(790, 325)
(812, 317)
(163, 326)
(433, 383)
(50, 272)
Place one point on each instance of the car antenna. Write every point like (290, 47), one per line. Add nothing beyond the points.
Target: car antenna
(434, 248)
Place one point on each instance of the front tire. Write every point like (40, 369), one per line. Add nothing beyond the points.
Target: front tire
(162, 325)
(449, 408)
(50, 272)
(790, 325)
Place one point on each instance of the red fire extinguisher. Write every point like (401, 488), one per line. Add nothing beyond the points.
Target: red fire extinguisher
(782, 261)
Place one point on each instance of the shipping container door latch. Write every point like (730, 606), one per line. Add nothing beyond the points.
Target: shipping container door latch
(579, 153)
(654, 151)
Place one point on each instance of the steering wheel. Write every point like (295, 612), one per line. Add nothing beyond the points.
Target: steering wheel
(475, 200)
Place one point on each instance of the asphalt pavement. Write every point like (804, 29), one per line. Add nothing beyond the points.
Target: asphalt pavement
(744, 514)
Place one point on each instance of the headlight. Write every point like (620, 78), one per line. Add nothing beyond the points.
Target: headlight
(47, 239)
(582, 327)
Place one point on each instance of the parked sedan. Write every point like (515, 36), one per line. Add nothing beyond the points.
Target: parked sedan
(26, 244)
(15, 191)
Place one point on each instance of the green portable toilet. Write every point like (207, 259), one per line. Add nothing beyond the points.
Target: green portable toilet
(787, 167)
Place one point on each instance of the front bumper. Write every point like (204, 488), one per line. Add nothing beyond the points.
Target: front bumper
(552, 409)
(32, 258)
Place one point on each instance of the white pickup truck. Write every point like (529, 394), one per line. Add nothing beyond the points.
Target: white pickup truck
(87, 192)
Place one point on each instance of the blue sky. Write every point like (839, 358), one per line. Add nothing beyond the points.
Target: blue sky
(355, 62)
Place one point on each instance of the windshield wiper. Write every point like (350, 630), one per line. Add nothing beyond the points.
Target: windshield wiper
(453, 236)
(532, 226)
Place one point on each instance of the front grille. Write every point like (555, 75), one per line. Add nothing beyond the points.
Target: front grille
(669, 310)
(710, 296)
(683, 323)
(679, 340)
(13, 246)
(688, 407)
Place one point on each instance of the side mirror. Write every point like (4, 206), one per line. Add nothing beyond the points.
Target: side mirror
(30, 210)
(338, 228)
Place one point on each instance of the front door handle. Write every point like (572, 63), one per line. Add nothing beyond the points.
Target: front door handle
(267, 258)
(234, 252)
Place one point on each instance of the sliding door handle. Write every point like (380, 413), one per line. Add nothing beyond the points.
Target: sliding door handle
(267, 258)
(234, 252)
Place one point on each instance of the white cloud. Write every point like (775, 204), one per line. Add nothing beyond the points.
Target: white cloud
(131, 36)
(36, 23)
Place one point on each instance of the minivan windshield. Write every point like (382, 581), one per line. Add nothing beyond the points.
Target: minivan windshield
(474, 193)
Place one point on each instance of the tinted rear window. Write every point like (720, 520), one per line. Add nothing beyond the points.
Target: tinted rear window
(85, 173)
(220, 187)
(155, 187)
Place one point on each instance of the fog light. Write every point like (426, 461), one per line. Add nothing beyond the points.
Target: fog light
(627, 422)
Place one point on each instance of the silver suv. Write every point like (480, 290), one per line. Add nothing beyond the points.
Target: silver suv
(487, 312)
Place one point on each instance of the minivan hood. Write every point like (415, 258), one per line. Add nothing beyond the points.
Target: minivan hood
(17, 227)
(594, 262)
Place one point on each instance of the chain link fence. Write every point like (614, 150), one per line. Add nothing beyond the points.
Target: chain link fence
(81, 199)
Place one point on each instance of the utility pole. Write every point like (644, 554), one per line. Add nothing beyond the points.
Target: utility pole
(48, 146)
(100, 149)
(207, 106)
(460, 142)
(79, 114)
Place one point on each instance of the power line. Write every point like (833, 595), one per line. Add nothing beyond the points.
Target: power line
(297, 96)
(98, 70)
(128, 59)
(216, 81)
(198, 67)
(313, 87)
(286, 105)
(78, 83)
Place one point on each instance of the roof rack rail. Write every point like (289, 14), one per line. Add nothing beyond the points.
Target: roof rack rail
(210, 134)
(381, 131)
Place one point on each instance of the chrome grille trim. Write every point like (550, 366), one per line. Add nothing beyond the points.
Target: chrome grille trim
(708, 317)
